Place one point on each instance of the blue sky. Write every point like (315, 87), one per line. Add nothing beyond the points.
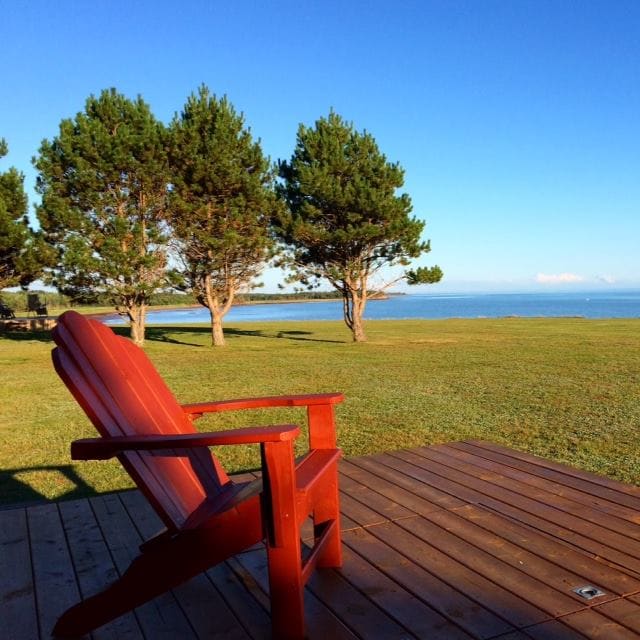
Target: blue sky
(517, 122)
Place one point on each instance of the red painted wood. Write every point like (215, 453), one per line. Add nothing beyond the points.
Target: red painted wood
(209, 518)
(283, 549)
(110, 386)
(99, 449)
(266, 402)
(322, 428)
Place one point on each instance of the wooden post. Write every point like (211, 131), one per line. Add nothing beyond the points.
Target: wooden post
(322, 435)
(286, 585)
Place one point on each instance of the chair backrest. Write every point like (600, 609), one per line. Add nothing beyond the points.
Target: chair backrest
(122, 393)
(33, 302)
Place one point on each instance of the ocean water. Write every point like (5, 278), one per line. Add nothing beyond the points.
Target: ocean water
(616, 304)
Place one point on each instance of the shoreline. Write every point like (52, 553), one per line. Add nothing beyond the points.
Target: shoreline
(590, 306)
(173, 307)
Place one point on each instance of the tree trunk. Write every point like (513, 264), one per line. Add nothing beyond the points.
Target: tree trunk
(217, 335)
(353, 303)
(137, 315)
(358, 328)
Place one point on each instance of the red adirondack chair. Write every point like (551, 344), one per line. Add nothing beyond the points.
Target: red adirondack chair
(208, 517)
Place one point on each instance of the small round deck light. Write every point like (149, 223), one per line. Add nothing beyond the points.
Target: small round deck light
(589, 592)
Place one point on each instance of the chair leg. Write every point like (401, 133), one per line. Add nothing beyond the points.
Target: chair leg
(326, 510)
(286, 586)
(286, 590)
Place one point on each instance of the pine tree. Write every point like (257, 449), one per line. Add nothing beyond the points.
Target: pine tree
(343, 221)
(221, 202)
(21, 251)
(103, 182)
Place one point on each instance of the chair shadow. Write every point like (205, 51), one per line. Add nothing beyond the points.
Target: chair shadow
(17, 492)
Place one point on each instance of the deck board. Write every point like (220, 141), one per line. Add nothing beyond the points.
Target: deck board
(579, 530)
(17, 593)
(161, 618)
(450, 542)
(53, 571)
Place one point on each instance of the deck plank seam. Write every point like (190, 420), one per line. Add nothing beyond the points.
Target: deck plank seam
(442, 579)
(362, 500)
(540, 473)
(346, 484)
(497, 583)
(538, 555)
(249, 593)
(345, 622)
(230, 607)
(538, 470)
(598, 557)
(32, 572)
(452, 585)
(28, 590)
(560, 618)
(398, 520)
(67, 542)
(241, 574)
(498, 475)
(133, 520)
(406, 497)
(443, 614)
(554, 487)
(114, 563)
(380, 460)
(370, 524)
(585, 606)
(522, 495)
(141, 538)
(384, 519)
(396, 484)
(594, 606)
(432, 471)
(561, 468)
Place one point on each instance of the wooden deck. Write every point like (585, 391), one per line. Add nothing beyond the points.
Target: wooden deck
(467, 540)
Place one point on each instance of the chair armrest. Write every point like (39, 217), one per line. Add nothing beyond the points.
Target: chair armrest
(200, 408)
(104, 448)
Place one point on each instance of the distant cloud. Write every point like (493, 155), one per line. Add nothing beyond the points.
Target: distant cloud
(606, 279)
(558, 278)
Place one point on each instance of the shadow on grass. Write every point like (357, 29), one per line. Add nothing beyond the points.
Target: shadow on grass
(168, 334)
(26, 336)
(45, 336)
(16, 491)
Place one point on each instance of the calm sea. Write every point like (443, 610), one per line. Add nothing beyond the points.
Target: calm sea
(619, 304)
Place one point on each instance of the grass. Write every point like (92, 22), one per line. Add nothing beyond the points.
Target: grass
(566, 389)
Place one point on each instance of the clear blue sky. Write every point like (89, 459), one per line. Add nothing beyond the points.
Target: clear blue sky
(517, 122)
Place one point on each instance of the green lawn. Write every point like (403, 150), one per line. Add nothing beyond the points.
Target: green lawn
(567, 389)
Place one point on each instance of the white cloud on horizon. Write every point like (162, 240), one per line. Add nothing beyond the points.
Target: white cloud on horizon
(558, 278)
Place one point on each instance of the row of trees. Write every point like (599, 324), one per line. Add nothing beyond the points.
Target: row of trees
(130, 206)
